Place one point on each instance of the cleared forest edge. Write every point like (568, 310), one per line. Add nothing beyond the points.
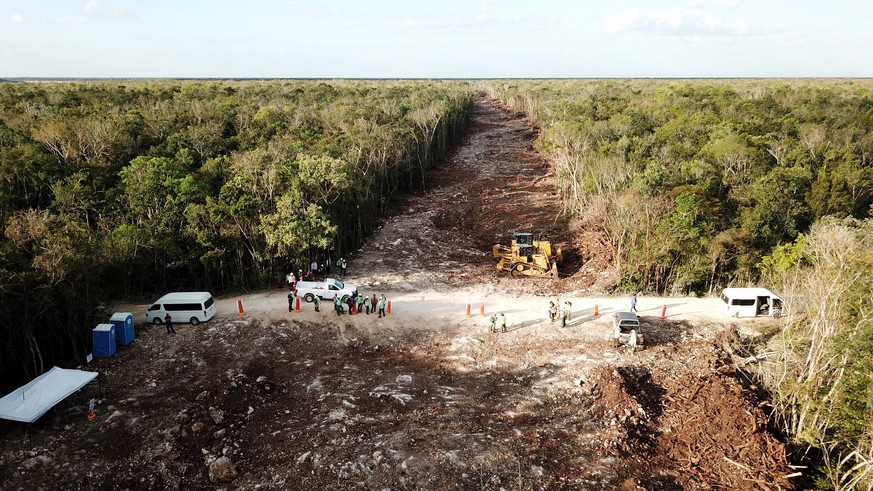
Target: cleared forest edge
(424, 398)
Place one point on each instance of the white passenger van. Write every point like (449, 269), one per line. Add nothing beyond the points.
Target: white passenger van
(751, 302)
(193, 307)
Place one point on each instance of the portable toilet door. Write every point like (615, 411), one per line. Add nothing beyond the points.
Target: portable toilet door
(104, 340)
(123, 322)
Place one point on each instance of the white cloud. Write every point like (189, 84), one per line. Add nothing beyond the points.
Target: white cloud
(624, 21)
(468, 20)
(713, 4)
(302, 8)
(17, 19)
(678, 22)
(90, 10)
(96, 8)
(455, 21)
(72, 19)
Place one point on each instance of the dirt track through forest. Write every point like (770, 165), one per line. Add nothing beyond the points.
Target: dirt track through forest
(425, 398)
(492, 185)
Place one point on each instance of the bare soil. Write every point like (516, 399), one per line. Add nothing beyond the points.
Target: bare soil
(427, 397)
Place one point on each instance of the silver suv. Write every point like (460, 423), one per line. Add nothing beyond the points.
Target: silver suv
(622, 324)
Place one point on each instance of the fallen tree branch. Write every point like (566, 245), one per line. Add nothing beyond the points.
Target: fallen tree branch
(734, 462)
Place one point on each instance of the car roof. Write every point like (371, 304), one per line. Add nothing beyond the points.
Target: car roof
(627, 316)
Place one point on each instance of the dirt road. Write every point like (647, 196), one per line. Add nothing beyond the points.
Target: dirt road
(424, 398)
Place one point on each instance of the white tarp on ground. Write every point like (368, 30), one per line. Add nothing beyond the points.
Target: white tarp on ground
(28, 402)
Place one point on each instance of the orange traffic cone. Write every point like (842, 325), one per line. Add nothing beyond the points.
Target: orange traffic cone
(91, 415)
(482, 310)
(388, 311)
(468, 312)
(663, 313)
(297, 305)
(596, 311)
(242, 311)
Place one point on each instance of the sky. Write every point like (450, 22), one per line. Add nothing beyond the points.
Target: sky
(436, 39)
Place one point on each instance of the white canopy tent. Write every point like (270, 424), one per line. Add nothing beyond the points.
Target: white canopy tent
(28, 402)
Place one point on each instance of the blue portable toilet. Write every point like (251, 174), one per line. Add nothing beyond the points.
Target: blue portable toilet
(123, 322)
(104, 340)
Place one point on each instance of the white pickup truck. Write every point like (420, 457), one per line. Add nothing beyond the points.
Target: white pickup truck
(326, 290)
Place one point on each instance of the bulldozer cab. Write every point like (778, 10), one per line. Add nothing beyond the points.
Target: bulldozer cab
(523, 238)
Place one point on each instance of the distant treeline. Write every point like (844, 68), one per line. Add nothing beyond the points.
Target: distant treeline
(113, 189)
(694, 182)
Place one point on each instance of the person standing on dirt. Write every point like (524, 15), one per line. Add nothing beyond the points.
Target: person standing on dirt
(168, 321)
(633, 303)
(314, 267)
(373, 303)
(565, 311)
(327, 266)
(291, 301)
(502, 322)
(493, 322)
(317, 302)
(289, 280)
(367, 304)
(553, 311)
(360, 300)
(632, 340)
(342, 266)
(382, 302)
(338, 305)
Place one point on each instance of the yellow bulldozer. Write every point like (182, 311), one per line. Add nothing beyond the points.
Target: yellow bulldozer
(527, 257)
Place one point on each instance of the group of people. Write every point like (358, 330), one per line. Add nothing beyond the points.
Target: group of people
(558, 311)
(361, 304)
(501, 320)
(315, 269)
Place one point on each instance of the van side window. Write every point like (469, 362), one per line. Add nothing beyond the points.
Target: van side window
(743, 301)
(154, 307)
(208, 303)
(175, 307)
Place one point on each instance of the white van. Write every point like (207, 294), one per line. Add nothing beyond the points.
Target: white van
(751, 302)
(193, 307)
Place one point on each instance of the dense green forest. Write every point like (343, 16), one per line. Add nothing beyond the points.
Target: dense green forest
(699, 185)
(694, 182)
(119, 190)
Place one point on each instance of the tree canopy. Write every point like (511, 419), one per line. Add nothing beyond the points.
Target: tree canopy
(128, 189)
